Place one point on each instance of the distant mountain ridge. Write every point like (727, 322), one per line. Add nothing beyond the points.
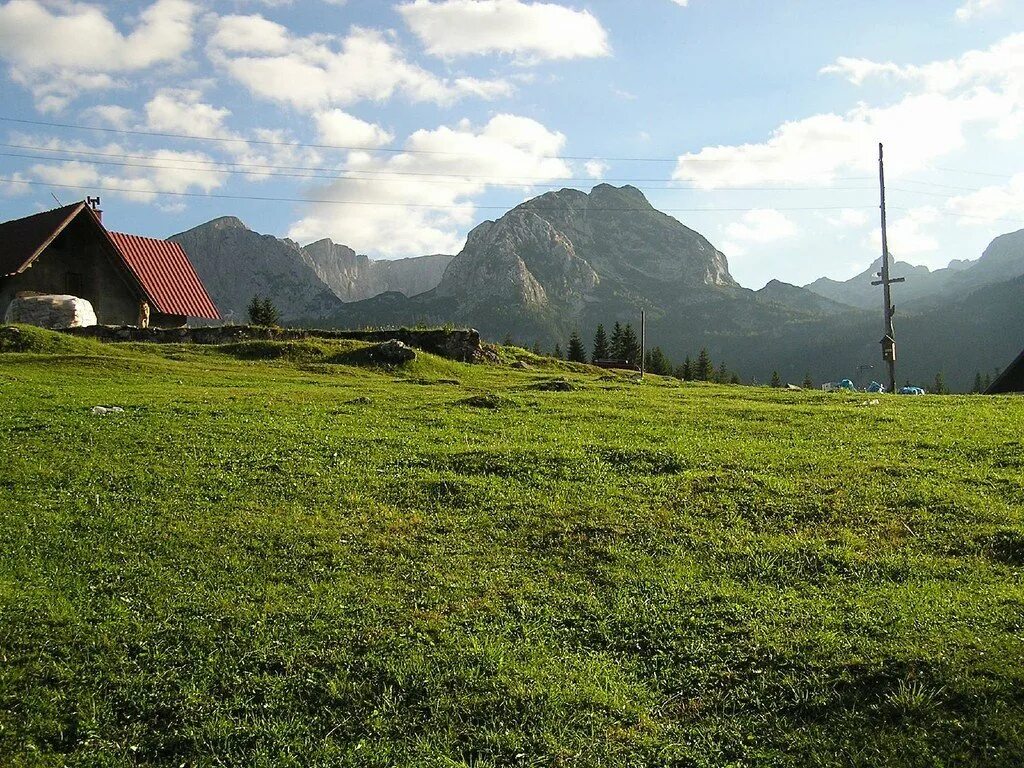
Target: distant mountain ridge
(568, 260)
(237, 263)
(1003, 260)
(353, 277)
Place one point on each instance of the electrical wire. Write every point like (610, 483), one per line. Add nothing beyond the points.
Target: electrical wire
(327, 201)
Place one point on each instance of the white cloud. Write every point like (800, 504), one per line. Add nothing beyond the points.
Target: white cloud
(1000, 66)
(113, 115)
(402, 214)
(944, 99)
(528, 31)
(168, 171)
(859, 70)
(596, 169)
(341, 129)
(250, 34)
(849, 218)
(972, 8)
(993, 202)
(59, 53)
(761, 226)
(179, 110)
(318, 72)
(910, 234)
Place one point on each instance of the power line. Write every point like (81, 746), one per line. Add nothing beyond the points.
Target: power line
(268, 198)
(81, 155)
(342, 147)
(375, 173)
(348, 176)
(1019, 222)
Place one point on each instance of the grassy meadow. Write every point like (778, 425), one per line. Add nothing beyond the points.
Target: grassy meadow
(278, 556)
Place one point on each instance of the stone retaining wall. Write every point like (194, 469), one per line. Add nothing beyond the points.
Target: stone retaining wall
(461, 345)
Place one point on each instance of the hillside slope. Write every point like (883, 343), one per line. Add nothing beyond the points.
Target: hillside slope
(314, 563)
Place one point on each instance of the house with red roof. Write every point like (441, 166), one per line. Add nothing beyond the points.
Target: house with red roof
(68, 251)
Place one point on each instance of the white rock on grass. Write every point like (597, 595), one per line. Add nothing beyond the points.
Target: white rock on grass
(51, 312)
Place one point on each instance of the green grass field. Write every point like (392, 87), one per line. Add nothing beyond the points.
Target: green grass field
(277, 557)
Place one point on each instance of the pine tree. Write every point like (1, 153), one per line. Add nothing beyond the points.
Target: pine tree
(940, 384)
(735, 379)
(978, 384)
(630, 345)
(262, 311)
(808, 383)
(722, 377)
(577, 354)
(987, 382)
(776, 381)
(536, 349)
(508, 341)
(558, 352)
(704, 368)
(616, 346)
(601, 351)
(686, 374)
(657, 363)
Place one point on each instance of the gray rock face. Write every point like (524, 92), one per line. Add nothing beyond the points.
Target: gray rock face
(354, 277)
(236, 263)
(563, 248)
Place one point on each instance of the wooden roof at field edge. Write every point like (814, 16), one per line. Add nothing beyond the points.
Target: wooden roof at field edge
(1010, 380)
(22, 240)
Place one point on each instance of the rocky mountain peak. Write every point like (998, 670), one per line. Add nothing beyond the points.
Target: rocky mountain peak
(226, 222)
(566, 248)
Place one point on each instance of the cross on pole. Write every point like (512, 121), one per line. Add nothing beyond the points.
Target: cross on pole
(889, 340)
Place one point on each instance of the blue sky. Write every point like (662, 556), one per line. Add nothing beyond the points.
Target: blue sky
(754, 123)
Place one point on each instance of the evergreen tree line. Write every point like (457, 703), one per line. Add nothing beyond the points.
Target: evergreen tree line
(624, 346)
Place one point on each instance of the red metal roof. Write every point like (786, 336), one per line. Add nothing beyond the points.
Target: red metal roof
(166, 275)
(22, 240)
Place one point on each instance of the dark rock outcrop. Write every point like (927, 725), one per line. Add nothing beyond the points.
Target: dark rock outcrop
(462, 345)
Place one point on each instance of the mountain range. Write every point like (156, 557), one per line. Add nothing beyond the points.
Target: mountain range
(236, 263)
(568, 260)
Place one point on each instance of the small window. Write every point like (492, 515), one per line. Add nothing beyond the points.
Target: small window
(74, 284)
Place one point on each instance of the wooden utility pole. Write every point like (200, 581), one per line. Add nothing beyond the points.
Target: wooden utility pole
(643, 342)
(889, 340)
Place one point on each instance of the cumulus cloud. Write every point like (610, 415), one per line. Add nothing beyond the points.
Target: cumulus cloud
(910, 233)
(112, 115)
(761, 226)
(320, 72)
(943, 100)
(992, 202)
(972, 8)
(403, 213)
(182, 110)
(849, 218)
(596, 169)
(168, 171)
(528, 31)
(74, 47)
(340, 129)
